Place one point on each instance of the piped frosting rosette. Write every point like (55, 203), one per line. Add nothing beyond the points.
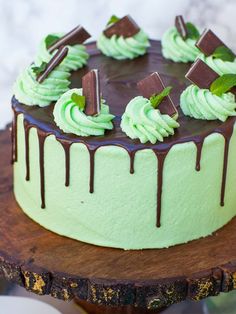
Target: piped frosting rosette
(211, 96)
(76, 58)
(178, 42)
(175, 48)
(30, 91)
(216, 54)
(218, 65)
(120, 48)
(72, 119)
(202, 104)
(142, 121)
(123, 39)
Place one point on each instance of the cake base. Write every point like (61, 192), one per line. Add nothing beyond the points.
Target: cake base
(45, 263)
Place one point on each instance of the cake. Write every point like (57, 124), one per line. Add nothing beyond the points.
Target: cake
(108, 188)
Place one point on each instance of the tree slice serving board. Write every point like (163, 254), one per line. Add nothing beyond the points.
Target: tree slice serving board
(46, 263)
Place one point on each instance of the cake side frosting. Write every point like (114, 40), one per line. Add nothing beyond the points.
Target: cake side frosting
(126, 214)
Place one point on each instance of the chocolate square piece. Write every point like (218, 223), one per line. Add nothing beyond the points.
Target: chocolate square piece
(152, 85)
(181, 26)
(91, 91)
(201, 74)
(77, 36)
(208, 42)
(125, 27)
(53, 63)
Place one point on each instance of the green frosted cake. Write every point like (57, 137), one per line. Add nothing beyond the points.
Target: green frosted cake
(120, 170)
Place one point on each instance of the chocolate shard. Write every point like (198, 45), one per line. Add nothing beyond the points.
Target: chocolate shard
(181, 26)
(201, 74)
(208, 42)
(77, 36)
(91, 91)
(125, 27)
(53, 63)
(152, 85)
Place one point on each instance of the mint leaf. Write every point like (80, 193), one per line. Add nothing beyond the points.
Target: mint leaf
(78, 100)
(50, 40)
(223, 53)
(192, 31)
(223, 84)
(157, 99)
(39, 69)
(113, 19)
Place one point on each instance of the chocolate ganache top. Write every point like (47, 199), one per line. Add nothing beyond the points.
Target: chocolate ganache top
(118, 86)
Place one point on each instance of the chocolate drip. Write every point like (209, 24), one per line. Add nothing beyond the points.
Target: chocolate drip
(41, 138)
(92, 152)
(199, 154)
(14, 137)
(66, 145)
(225, 166)
(132, 156)
(160, 165)
(12, 142)
(27, 127)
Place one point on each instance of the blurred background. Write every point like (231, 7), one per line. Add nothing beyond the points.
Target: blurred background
(24, 22)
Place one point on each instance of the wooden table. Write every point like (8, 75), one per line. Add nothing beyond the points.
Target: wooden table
(103, 278)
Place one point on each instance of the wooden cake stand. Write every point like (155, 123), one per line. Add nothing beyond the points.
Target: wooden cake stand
(106, 280)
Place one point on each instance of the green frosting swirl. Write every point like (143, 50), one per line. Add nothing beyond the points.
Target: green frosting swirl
(175, 48)
(76, 58)
(219, 66)
(71, 119)
(29, 92)
(202, 104)
(121, 48)
(141, 120)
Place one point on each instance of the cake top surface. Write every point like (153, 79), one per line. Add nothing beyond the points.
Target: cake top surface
(118, 81)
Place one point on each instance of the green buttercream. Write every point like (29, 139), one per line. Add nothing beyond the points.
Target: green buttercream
(76, 58)
(175, 48)
(29, 92)
(71, 119)
(142, 121)
(124, 48)
(202, 104)
(219, 66)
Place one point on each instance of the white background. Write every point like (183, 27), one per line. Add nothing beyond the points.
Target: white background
(24, 22)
